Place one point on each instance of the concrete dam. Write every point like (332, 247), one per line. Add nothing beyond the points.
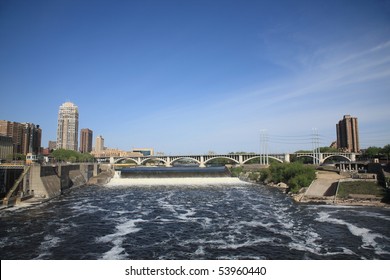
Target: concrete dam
(172, 172)
(43, 181)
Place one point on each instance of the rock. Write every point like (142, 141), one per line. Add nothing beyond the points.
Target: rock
(282, 185)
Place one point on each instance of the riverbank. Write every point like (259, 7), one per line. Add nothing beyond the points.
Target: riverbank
(322, 190)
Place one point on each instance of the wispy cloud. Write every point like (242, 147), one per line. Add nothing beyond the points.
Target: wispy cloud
(319, 96)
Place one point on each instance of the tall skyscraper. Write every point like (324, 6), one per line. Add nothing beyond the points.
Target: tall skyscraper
(68, 126)
(99, 144)
(86, 140)
(348, 134)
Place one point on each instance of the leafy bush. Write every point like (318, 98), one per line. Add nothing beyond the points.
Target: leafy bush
(299, 181)
(265, 174)
(236, 171)
(296, 175)
(254, 176)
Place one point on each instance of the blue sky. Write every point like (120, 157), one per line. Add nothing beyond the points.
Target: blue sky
(190, 77)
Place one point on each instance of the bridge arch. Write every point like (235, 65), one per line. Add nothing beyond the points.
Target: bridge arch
(336, 156)
(153, 159)
(272, 157)
(220, 157)
(307, 156)
(125, 158)
(185, 158)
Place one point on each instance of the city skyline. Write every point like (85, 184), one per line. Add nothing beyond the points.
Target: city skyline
(199, 76)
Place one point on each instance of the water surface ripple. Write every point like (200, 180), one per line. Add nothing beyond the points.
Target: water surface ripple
(221, 221)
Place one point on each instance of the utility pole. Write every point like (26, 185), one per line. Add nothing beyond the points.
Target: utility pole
(263, 147)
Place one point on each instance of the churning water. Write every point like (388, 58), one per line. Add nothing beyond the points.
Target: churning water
(185, 219)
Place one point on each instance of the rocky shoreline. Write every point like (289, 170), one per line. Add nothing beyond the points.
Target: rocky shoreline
(363, 200)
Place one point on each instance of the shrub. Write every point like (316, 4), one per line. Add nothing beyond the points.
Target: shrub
(265, 174)
(236, 171)
(296, 175)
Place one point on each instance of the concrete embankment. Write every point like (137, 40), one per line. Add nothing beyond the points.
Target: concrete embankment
(44, 182)
(322, 189)
(103, 178)
(51, 181)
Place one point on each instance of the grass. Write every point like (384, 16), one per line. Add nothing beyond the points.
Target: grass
(360, 187)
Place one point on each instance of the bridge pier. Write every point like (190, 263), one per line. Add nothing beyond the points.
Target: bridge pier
(321, 158)
(286, 157)
(168, 162)
(202, 162)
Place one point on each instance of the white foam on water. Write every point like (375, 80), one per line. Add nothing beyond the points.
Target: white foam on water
(122, 212)
(367, 236)
(189, 213)
(117, 238)
(48, 242)
(249, 243)
(5, 241)
(256, 224)
(122, 230)
(241, 257)
(165, 204)
(200, 251)
(116, 252)
(193, 181)
(305, 241)
(205, 222)
(375, 215)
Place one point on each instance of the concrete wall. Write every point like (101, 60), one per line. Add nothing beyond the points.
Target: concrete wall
(7, 179)
(377, 168)
(51, 181)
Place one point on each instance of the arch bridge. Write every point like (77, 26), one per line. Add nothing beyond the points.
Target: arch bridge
(239, 159)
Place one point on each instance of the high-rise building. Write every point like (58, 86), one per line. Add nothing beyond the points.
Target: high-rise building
(68, 126)
(52, 145)
(32, 136)
(6, 147)
(99, 144)
(86, 140)
(348, 134)
(26, 137)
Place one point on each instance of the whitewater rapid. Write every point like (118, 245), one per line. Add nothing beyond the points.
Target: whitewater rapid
(193, 181)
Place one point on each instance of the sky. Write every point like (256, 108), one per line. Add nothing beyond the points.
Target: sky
(190, 77)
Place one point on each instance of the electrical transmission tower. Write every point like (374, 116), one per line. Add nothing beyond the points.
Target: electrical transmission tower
(263, 147)
(316, 146)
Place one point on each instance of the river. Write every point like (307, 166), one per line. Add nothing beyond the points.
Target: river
(221, 218)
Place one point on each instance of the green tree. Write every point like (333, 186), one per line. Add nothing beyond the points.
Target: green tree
(328, 150)
(386, 150)
(71, 156)
(372, 152)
